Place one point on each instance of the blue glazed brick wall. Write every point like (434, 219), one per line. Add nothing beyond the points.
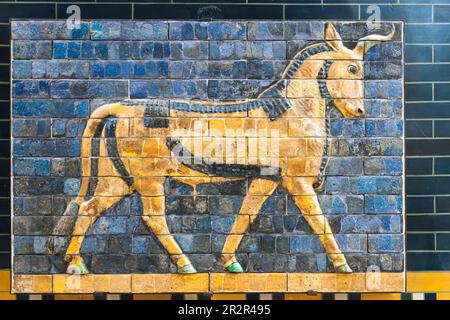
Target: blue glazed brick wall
(427, 53)
(60, 77)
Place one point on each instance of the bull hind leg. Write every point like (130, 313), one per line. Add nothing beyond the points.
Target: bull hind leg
(304, 196)
(88, 213)
(154, 215)
(259, 191)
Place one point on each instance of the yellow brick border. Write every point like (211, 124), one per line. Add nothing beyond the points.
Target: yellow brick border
(214, 283)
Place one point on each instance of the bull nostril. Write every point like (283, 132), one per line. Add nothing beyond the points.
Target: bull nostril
(360, 111)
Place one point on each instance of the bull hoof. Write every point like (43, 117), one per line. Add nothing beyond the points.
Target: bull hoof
(188, 269)
(235, 267)
(345, 268)
(77, 269)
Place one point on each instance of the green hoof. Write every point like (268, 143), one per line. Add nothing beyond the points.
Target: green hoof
(187, 269)
(235, 267)
(344, 269)
(77, 269)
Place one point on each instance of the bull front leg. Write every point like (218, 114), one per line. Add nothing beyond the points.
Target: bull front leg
(304, 196)
(259, 191)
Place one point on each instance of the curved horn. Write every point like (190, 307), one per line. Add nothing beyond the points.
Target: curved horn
(367, 42)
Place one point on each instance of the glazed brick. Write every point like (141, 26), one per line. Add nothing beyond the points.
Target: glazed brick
(168, 88)
(345, 166)
(366, 184)
(129, 69)
(384, 128)
(427, 33)
(70, 128)
(194, 243)
(30, 245)
(383, 89)
(383, 166)
(32, 205)
(267, 224)
(389, 262)
(420, 241)
(47, 30)
(228, 89)
(441, 90)
(209, 69)
(89, 89)
(339, 204)
(383, 108)
(442, 241)
(265, 262)
(196, 224)
(31, 167)
(427, 72)
(427, 261)
(360, 147)
(31, 128)
(347, 128)
(30, 89)
(25, 49)
(247, 50)
(48, 108)
(385, 51)
(384, 243)
(308, 262)
(427, 147)
(383, 70)
(427, 185)
(371, 224)
(419, 166)
(46, 148)
(129, 30)
(224, 204)
(383, 204)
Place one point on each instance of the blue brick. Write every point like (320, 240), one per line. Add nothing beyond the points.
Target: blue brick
(304, 30)
(89, 89)
(341, 204)
(384, 128)
(385, 51)
(31, 167)
(233, 89)
(385, 243)
(46, 148)
(59, 50)
(420, 166)
(31, 128)
(72, 186)
(419, 91)
(48, 108)
(266, 30)
(194, 243)
(366, 184)
(21, 69)
(43, 30)
(383, 89)
(271, 50)
(188, 30)
(129, 30)
(151, 50)
(347, 128)
(352, 242)
(441, 91)
(383, 166)
(222, 224)
(264, 69)
(345, 166)
(111, 225)
(189, 50)
(30, 89)
(371, 224)
(383, 108)
(305, 244)
(188, 69)
(227, 31)
(168, 89)
(23, 49)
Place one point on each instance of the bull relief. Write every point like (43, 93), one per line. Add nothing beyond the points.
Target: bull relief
(223, 156)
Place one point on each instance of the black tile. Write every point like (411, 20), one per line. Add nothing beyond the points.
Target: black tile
(48, 297)
(4, 34)
(5, 110)
(443, 241)
(428, 222)
(4, 73)
(418, 53)
(4, 130)
(427, 72)
(204, 296)
(427, 110)
(427, 33)
(442, 53)
(252, 296)
(5, 243)
(427, 185)
(419, 128)
(5, 206)
(441, 14)
(22, 296)
(419, 205)
(427, 147)
(406, 296)
(5, 225)
(399, 12)
(419, 166)
(441, 165)
(177, 296)
(427, 261)
(419, 92)
(4, 91)
(278, 296)
(99, 11)
(430, 296)
(4, 148)
(5, 260)
(322, 12)
(443, 204)
(327, 296)
(354, 296)
(420, 241)
(22, 10)
(4, 187)
(179, 11)
(442, 91)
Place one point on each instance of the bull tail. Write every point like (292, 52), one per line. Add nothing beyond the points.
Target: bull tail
(89, 167)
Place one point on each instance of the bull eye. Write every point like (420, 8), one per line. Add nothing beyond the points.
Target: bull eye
(352, 69)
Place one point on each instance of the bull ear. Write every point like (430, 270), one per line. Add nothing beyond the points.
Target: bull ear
(364, 44)
(332, 37)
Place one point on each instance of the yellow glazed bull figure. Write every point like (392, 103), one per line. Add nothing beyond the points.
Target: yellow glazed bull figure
(276, 139)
